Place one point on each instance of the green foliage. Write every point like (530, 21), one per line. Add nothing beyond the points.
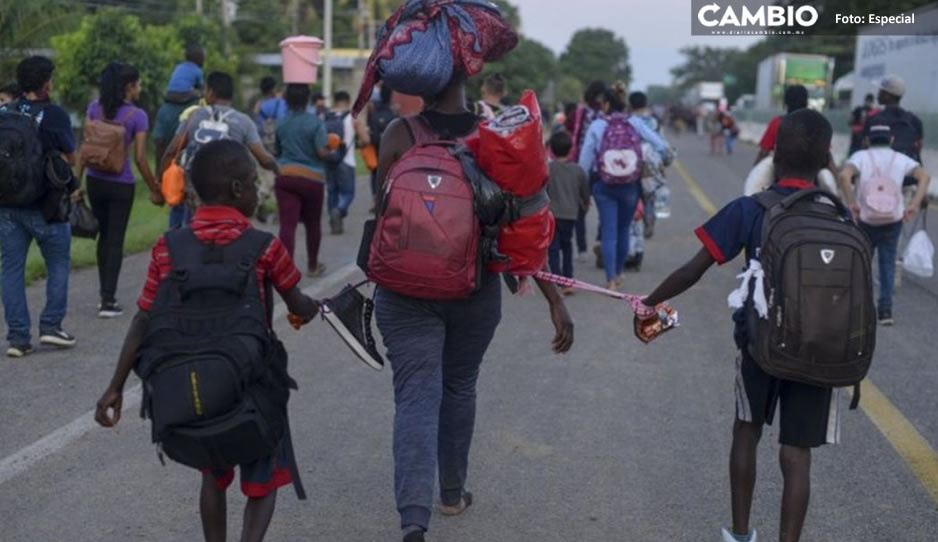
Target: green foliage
(569, 89)
(662, 94)
(510, 12)
(530, 65)
(596, 53)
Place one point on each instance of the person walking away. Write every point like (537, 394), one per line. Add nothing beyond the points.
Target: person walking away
(216, 120)
(578, 125)
(269, 110)
(809, 415)
(224, 175)
(381, 113)
(795, 99)
(857, 123)
(45, 131)
(317, 105)
(493, 91)
(612, 155)
(730, 130)
(110, 192)
(301, 147)
(651, 181)
(340, 176)
(436, 347)
(9, 92)
(878, 203)
(715, 129)
(569, 192)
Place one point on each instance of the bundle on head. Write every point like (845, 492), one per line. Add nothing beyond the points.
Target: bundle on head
(427, 42)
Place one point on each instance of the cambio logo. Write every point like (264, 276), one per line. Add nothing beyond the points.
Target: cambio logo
(765, 16)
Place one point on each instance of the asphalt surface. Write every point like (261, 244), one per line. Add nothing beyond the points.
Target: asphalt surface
(615, 441)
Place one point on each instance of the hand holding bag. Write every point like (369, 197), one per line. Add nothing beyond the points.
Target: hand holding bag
(919, 255)
(84, 224)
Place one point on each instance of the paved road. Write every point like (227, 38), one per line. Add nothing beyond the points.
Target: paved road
(614, 442)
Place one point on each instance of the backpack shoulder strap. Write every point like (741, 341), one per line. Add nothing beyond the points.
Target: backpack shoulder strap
(420, 130)
(130, 112)
(768, 198)
(185, 249)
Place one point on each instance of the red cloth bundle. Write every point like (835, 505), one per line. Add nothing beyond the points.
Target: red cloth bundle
(525, 242)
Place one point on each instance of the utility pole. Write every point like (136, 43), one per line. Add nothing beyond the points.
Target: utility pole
(372, 24)
(327, 65)
(226, 23)
(294, 14)
(362, 14)
(198, 7)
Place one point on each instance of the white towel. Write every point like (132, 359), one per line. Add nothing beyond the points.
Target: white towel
(738, 296)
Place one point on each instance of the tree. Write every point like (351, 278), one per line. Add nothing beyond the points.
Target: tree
(662, 94)
(531, 65)
(596, 54)
(509, 12)
(703, 64)
(569, 89)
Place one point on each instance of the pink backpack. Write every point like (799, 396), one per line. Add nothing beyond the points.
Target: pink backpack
(427, 239)
(880, 198)
(619, 159)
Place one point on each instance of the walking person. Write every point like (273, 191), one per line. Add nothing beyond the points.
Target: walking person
(612, 153)
(878, 204)
(21, 222)
(111, 193)
(578, 125)
(268, 111)
(493, 91)
(857, 123)
(436, 347)
(301, 146)
(569, 192)
(340, 176)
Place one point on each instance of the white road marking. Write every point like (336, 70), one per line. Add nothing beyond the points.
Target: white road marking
(18, 462)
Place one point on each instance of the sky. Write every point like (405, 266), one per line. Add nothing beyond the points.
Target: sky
(654, 30)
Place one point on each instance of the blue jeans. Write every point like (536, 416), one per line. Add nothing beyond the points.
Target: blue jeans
(616, 205)
(435, 349)
(340, 185)
(562, 245)
(18, 228)
(581, 245)
(885, 241)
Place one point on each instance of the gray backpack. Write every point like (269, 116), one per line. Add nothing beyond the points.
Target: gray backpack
(821, 325)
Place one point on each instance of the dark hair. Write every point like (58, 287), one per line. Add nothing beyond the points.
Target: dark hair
(113, 85)
(221, 84)
(561, 143)
(386, 94)
(297, 96)
(341, 96)
(593, 92)
(615, 97)
(869, 97)
(10, 88)
(796, 97)
(638, 100)
(216, 165)
(316, 97)
(803, 143)
(495, 83)
(195, 53)
(268, 84)
(33, 73)
(569, 109)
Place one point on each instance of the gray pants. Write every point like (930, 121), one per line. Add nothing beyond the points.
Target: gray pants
(435, 349)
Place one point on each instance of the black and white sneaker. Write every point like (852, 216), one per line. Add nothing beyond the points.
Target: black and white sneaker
(19, 350)
(110, 309)
(349, 314)
(58, 338)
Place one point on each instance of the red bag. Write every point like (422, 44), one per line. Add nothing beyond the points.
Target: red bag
(510, 148)
(526, 242)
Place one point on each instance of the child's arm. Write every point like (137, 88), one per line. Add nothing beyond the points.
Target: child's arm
(301, 307)
(682, 279)
(113, 396)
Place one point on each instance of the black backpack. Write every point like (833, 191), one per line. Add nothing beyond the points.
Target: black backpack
(821, 326)
(378, 120)
(215, 382)
(335, 124)
(22, 163)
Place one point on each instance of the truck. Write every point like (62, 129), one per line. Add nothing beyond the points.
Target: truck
(707, 93)
(815, 72)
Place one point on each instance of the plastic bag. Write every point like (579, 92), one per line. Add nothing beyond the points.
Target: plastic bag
(919, 255)
(525, 242)
(510, 148)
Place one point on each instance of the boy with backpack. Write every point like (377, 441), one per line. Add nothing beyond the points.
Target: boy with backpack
(214, 374)
(215, 121)
(340, 176)
(33, 132)
(878, 202)
(804, 324)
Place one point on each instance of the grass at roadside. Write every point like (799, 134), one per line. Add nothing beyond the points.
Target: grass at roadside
(147, 223)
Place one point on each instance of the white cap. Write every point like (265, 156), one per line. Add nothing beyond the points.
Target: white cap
(893, 84)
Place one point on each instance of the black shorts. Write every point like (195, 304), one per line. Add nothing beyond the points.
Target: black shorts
(809, 415)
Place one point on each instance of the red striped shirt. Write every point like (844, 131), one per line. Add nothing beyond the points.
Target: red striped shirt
(222, 225)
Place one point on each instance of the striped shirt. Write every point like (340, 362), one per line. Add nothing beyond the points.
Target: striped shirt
(222, 225)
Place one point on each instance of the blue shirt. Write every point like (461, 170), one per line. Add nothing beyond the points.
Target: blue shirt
(187, 76)
(271, 109)
(594, 139)
(736, 228)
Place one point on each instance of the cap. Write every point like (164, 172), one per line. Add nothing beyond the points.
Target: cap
(879, 133)
(893, 84)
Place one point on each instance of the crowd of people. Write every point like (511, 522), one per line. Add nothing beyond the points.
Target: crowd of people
(213, 271)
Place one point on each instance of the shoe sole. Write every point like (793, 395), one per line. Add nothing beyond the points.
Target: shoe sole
(349, 339)
(110, 314)
(887, 323)
(57, 342)
(18, 353)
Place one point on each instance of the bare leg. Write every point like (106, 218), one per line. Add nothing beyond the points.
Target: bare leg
(214, 510)
(796, 472)
(257, 515)
(743, 472)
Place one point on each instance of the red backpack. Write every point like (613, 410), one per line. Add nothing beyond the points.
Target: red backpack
(427, 240)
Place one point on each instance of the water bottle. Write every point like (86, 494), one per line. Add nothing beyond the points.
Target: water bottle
(663, 202)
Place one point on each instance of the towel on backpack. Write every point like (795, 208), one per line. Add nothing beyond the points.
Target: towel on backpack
(425, 42)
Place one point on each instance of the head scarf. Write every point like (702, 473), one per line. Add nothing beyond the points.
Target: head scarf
(426, 42)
